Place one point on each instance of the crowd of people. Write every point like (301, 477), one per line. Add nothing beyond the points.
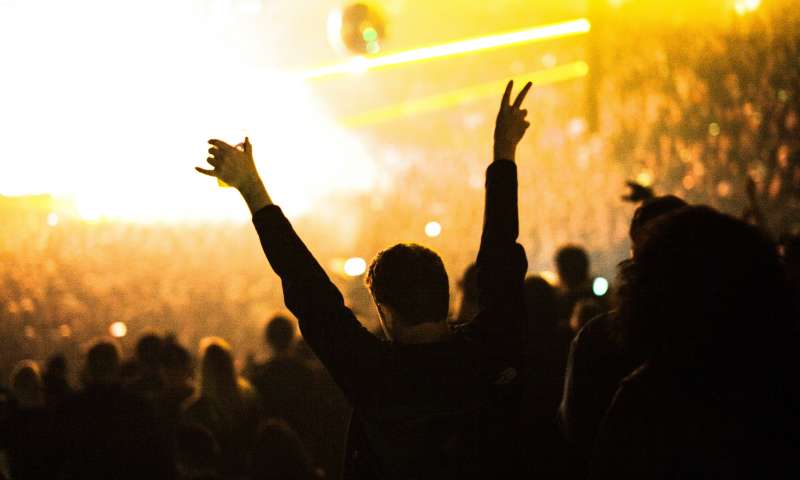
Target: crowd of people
(688, 371)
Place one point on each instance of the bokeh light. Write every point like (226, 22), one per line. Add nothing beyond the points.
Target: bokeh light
(52, 219)
(355, 266)
(600, 286)
(118, 329)
(433, 229)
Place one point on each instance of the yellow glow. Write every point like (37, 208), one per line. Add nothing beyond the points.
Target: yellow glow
(645, 178)
(355, 266)
(549, 276)
(465, 95)
(535, 34)
(118, 329)
(743, 7)
(52, 219)
(433, 229)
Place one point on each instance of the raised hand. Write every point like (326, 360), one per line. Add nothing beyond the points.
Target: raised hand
(235, 166)
(511, 124)
(638, 192)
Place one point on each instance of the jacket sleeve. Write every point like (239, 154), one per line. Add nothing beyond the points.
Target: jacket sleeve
(501, 321)
(347, 349)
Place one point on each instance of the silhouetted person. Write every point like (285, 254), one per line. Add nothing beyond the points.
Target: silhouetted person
(545, 360)
(56, 385)
(226, 405)
(147, 381)
(583, 311)
(597, 361)
(29, 431)
(286, 385)
(280, 454)
(429, 403)
(105, 431)
(198, 453)
(177, 374)
(704, 301)
(572, 263)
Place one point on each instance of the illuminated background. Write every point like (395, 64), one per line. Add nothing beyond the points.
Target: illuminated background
(105, 107)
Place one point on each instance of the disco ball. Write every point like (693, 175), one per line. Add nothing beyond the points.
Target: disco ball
(357, 28)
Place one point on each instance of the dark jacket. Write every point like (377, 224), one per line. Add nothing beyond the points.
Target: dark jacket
(439, 410)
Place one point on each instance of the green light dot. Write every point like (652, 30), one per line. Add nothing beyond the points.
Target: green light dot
(373, 47)
(369, 34)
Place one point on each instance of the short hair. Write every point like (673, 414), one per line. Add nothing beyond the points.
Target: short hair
(102, 361)
(412, 280)
(541, 304)
(175, 356)
(572, 262)
(651, 209)
(279, 333)
(26, 378)
(148, 349)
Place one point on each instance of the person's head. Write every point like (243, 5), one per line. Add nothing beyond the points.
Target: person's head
(197, 451)
(703, 288)
(218, 381)
(102, 363)
(148, 350)
(409, 285)
(280, 454)
(583, 311)
(56, 366)
(572, 263)
(650, 210)
(541, 304)
(176, 363)
(279, 334)
(26, 384)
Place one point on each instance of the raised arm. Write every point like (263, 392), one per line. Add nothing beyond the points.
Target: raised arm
(345, 347)
(501, 260)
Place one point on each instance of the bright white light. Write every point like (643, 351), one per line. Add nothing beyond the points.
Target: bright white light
(433, 229)
(645, 178)
(52, 219)
(118, 329)
(743, 7)
(600, 286)
(355, 266)
(120, 107)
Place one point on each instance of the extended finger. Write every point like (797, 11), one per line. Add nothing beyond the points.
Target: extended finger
(522, 94)
(507, 95)
(210, 173)
(215, 161)
(221, 145)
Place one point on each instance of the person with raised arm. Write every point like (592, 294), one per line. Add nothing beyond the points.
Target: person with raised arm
(430, 402)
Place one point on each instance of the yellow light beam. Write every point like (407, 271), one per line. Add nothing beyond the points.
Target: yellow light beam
(535, 34)
(461, 96)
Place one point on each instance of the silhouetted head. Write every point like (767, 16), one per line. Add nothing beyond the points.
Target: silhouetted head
(409, 285)
(56, 366)
(148, 350)
(542, 305)
(102, 363)
(176, 362)
(572, 263)
(218, 381)
(650, 210)
(703, 288)
(279, 333)
(26, 384)
(583, 311)
(279, 454)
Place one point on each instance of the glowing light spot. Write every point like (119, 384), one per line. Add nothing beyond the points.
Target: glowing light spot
(645, 178)
(369, 34)
(713, 129)
(64, 330)
(118, 329)
(724, 188)
(600, 286)
(549, 60)
(355, 266)
(52, 219)
(373, 47)
(744, 7)
(549, 276)
(783, 95)
(688, 182)
(433, 229)
(30, 332)
(358, 65)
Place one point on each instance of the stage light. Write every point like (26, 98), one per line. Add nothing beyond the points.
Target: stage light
(713, 129)
(118, 329)
(52, 219)
(535, 34)
(433, 229)
(64, 330)
(355, 266)
(645, 178)
(600, 286)
(465, 95)
(743, 7)
(356, 28)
